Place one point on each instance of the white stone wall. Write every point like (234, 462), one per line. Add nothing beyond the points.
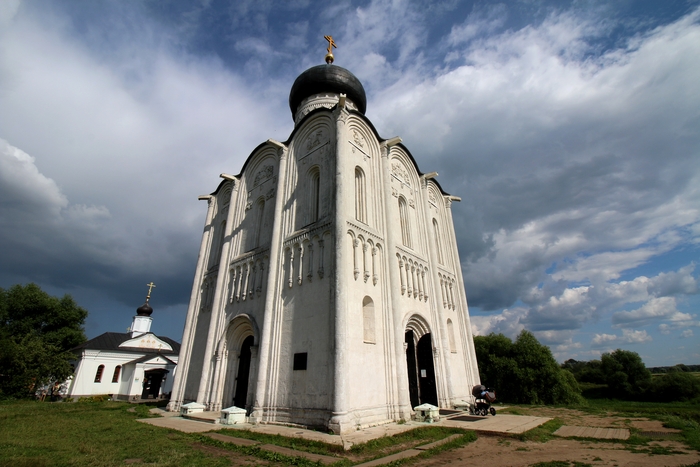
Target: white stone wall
(129, 382)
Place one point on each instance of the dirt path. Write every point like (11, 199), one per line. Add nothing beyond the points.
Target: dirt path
(505, 452)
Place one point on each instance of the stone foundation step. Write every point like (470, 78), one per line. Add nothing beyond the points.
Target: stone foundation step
(207, 417)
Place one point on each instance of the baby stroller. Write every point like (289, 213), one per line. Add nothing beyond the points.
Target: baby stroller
(483, 398)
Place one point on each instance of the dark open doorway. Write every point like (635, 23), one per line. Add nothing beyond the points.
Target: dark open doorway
(421, 371)
(241, 395)
(152, 379)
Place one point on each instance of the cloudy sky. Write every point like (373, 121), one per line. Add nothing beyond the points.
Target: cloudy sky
(571, 131)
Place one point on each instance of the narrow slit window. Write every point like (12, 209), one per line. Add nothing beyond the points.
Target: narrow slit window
(451, 336)
(360, 196)
(368, 321)
(405, 225)
(314, 194)
(438, 245)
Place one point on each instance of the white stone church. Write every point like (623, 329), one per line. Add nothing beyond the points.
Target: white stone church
(328, 290)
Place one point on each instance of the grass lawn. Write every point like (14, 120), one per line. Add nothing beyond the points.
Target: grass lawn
(40, 434)
(90, 434)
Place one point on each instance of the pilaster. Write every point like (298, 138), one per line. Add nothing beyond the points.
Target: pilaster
(218, 309)
(343, 262)
(404, 408)
(180, 381)
(273, 281)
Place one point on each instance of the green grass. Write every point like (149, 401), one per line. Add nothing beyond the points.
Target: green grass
(90, 434)
(106, 434)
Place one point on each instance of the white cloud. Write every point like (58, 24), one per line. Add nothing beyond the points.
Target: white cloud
(654, 309)
(628, 336)
(506, 323)
(687, 334)
(23, 187)
(604, 339)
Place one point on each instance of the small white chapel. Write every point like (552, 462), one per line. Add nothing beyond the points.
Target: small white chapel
(136, 365)
(328, 290)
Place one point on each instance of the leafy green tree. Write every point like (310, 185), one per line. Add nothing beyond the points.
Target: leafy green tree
(36, 333)
(625, 374)
(585, 372)
(524, 371)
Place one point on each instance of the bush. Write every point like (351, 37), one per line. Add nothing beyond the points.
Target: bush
(675, 386)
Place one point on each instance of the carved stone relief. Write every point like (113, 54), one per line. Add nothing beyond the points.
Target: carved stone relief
(398, 171)
(263, 175)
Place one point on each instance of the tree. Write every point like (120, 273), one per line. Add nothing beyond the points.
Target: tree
(36, 333)
(524, 371)
(625, 374)
(675, 386)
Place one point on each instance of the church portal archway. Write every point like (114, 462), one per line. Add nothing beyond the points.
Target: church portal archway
(241, 362)
(419, 362)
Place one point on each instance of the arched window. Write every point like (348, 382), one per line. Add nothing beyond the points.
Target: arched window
(438, 246)
(115, 376)
(360, 196)
(98, 375)
(451, 336)
(314, 194)
(368, 321)
(405, 225)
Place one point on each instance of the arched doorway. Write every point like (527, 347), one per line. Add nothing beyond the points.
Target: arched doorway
(243, 373)
(239, 362)
(419, 362)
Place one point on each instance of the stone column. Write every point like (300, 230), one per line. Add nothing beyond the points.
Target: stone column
(463, 309)
(273, 286)
(180, 381)
(218, 312)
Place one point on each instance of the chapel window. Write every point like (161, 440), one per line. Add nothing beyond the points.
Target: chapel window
(405, 225)
(98, 375)
(115, 376)
(360, 196)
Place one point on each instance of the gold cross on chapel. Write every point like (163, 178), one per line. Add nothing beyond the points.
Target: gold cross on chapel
(150, 287)
(331, 45)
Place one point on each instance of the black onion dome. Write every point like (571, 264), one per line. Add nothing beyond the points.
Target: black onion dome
(327, 78)
(144, 310)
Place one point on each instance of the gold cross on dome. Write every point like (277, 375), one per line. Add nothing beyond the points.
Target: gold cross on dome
(331, 44)
(150, 287)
